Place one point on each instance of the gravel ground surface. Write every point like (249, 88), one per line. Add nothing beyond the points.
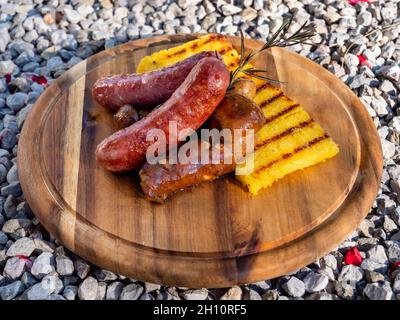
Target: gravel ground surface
(46, 38)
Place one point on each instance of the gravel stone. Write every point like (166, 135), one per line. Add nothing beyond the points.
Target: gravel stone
(229, 9)
(11, 290)
(104, 275)
(43, 265)
(70, 292)
(131, 292)
(101, 292)
(251, 294)
(271, 295)
(3, 237)
(12, 175)
(372, 265)
(150, 287)
(373, 276)
(28, 280)
(315, 282)
(114, 290)
(345, 290)
(82, 268)
(393, 251)
(294, 287)
(197, 294)
(40, 291)
(16, 101)
(65, 266)
(351, 273)
(378, 254)
(12, 226)
(88, 289)
(234, 293)
(14, 268)
(7, 139)
(21, 247)
(378, 291)
(13, 189)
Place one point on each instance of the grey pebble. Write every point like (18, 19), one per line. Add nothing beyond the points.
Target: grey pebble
(378, 291)
(14, 268)
(7, 138)
(315, 282)
(70, 292)
(28, 280)
(42, 290)
(131, 292)
(104, 275)
(13, 189)
(21, 247)
(12, 175)
(114, 290)
(294, 287)
(195, 294)
(82, 268)
(65, 266)
(11, 290)
(43, 265)
(16, 101)
(88, 289)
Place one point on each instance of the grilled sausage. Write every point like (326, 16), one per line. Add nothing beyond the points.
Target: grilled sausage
(158, 181)
(245, 87)
(125, 116)
(236, 112)
(145, 89)
(189, 106)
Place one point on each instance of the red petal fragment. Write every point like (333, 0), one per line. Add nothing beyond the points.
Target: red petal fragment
(39, 79)
(353, 257)
(394, 266)
(8, 77)
(363, 60)
(354, 2)
(27, 260)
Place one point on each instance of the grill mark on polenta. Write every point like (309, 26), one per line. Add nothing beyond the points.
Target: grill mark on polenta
(212, 38)
(194, 46)
(183, 50)
(285, 133)
(287, 110)
(265, 85)
(225, 50)
(268, 101)
(290, 154)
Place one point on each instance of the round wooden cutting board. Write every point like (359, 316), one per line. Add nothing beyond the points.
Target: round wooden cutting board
(214, 235)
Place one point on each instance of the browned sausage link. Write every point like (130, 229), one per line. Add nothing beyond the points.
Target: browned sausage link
(125, 116)
(237, 112)
(159, 181)
(189, 107)
(145, 89)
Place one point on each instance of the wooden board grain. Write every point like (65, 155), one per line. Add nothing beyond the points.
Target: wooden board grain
(214, 235)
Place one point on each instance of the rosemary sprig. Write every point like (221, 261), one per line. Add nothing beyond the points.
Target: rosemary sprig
(279, 39)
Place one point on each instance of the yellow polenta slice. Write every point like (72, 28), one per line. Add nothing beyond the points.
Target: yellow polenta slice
(289, 141)
(209, 42)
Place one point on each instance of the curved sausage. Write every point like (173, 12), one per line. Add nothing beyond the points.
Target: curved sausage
(145, 89)
(189, 106)
(159, 181)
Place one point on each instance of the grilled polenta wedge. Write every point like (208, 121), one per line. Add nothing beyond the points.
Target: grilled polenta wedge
(289, 141)
(209, 42)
